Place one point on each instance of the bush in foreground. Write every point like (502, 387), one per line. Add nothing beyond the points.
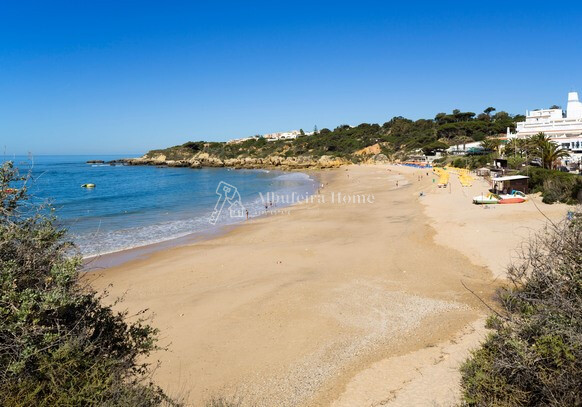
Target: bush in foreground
(59, 346)
(534, 355)
(555, 186)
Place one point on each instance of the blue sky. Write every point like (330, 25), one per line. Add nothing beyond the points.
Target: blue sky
(126, 76)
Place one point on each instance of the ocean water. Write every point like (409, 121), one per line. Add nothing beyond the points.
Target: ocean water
(132, 206)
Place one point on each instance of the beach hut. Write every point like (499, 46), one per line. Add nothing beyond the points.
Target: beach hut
(483, 172)
(509, 183)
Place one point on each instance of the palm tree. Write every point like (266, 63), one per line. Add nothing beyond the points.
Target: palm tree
(517, 147)
(538, 140)
(462, 140)
(546, 150)
(491, 144)
(551, 153)
(522, 147)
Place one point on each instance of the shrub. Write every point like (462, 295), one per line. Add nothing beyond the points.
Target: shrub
(59, 346)
(555, 186)
(459, 163)
(534, 355)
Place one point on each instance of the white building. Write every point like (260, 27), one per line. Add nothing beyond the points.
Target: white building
(241, 140)
(564, 128)
(552, 122)
(284, 135)
(462, 149)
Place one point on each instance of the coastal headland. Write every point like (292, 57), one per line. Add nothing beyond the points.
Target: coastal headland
(366, 302)
(206, 160)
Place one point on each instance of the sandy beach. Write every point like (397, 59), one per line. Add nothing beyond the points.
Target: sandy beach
(342, 302)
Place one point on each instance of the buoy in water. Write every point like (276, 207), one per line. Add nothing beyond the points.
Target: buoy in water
(88, 186)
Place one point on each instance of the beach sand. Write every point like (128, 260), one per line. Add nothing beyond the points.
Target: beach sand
(327, 303)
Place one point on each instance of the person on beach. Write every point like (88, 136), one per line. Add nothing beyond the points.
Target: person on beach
(247, 212)
(396, 184)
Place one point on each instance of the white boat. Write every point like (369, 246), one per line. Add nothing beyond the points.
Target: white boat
(486, 199)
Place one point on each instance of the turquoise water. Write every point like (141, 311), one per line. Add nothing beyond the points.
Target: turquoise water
(132, 206)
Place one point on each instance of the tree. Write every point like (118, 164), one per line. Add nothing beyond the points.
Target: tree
(517, 147)
(440, 118)
(537, 140)
(489, 110)
(431, 148)
(462, 116)
(555, 107)
(462, 140)
(546, 150)
(491, 144)
(501, 116)
(551, 154)
(59, 345)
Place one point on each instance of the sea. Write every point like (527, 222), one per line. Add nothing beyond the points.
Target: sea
(134, 206)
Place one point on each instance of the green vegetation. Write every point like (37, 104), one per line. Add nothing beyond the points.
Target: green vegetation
(540, 146)
(397, 136)
(534, 355)
(555, 186)
(59, 345)
(536, 147)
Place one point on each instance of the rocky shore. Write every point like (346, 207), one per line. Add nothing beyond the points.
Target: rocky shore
(206, 160)
(202, 160)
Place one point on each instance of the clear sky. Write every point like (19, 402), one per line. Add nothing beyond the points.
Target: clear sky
(127, 76)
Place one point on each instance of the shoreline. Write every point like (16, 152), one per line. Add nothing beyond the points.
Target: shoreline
(121, 256)
(315, 298)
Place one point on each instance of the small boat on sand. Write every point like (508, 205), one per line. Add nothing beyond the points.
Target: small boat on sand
(513, 197)
(486, 199)
(491, 198)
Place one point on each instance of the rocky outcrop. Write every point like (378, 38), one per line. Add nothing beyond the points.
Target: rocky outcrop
(370, 150)
(200, 160)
